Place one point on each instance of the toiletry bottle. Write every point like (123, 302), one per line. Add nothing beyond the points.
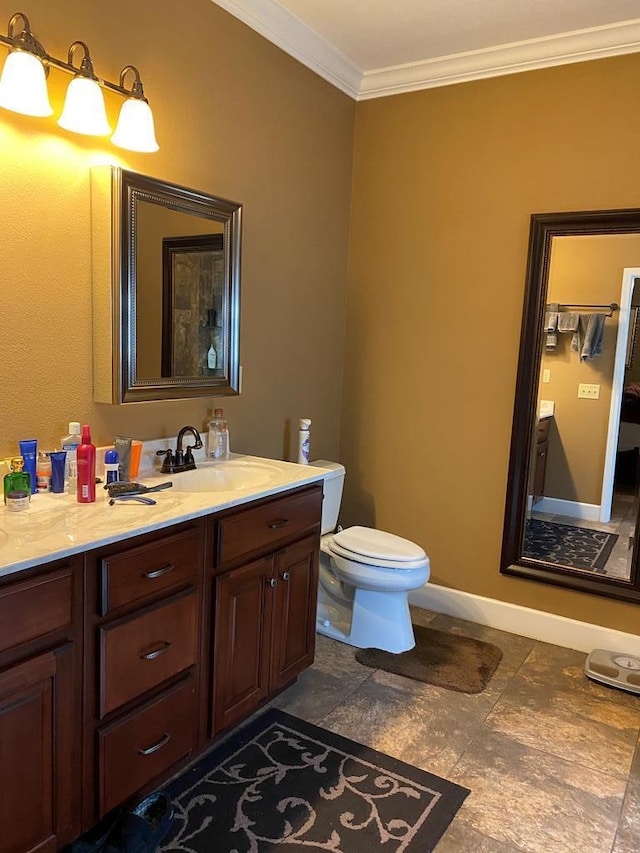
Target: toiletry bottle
(29, 453)
(17, 481)
(212, 358)
(303, 441)
(218, 445)
(43, 472)
(111, 463)
(70, 444)
(86, 460)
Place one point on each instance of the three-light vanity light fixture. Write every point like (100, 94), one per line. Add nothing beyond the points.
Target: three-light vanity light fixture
(23, 89)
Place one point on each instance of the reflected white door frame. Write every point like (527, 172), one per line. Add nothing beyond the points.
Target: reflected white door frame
(629, 277)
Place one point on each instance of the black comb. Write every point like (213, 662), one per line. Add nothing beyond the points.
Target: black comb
(118, 489)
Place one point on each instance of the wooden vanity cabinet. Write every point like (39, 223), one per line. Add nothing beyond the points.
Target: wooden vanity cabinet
(40, 707)
(540, 462)
(264, 593)
(143, 615)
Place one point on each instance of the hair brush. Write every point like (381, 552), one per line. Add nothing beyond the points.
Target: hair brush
(118, 489)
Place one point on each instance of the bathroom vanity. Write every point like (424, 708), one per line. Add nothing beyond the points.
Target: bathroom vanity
(125, 652)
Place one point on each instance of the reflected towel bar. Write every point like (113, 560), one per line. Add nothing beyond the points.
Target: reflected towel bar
(612, 306)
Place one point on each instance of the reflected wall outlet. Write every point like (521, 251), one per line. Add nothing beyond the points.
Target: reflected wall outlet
(546, 375)
(589, 392)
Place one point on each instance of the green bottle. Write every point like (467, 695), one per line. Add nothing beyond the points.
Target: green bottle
(18, 480)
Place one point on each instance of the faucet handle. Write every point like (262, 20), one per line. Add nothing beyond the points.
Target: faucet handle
(169, 461)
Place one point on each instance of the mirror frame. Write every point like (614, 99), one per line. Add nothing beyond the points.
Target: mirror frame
(544, 227)
(125, 191)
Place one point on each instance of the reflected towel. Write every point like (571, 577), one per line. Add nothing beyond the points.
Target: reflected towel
(551, 317)
(594, 335)
(568, 321)
(578, 336)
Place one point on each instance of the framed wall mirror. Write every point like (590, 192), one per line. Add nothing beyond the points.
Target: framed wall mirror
(166, 289)
(572, 504)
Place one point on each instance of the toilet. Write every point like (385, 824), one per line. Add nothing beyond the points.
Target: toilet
(365, 578)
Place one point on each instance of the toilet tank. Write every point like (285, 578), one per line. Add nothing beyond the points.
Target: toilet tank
(332, 493)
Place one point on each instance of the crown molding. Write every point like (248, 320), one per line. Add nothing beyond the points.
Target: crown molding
(289, 33)
(577, 46)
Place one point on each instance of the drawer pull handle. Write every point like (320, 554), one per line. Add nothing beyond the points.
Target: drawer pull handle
(285, 576)
(156, 746)
(156, 652)
(281, 522)
(159, 572)
(273, 582)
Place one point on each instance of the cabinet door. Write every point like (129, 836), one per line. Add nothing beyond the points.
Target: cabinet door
(296, 572)
(36, 754)
(243, 613)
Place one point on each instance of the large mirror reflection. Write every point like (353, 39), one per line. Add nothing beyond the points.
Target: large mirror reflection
(572, 503)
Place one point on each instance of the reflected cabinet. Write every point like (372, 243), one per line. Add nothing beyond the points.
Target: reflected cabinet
(166, 289)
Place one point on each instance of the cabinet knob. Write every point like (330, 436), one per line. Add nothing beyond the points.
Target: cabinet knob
(285, 576)
(273, 582)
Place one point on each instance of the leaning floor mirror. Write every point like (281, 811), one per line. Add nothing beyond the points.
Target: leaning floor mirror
(166, 289)
(572, 504)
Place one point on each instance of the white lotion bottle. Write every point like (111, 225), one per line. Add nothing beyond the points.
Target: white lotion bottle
(303, 441)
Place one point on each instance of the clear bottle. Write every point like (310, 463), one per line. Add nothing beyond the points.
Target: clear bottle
(70, 444)
(43, 472)
(218, 444)
(17, 481)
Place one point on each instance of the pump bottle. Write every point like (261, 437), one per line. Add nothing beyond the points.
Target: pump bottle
(86, 461)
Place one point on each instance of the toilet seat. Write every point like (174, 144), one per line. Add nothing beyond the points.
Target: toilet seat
(377, 548)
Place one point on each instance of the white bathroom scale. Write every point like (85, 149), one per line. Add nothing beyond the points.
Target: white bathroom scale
(617, 669)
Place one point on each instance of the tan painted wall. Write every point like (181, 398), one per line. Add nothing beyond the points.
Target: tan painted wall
(235, 117)
(445, 181)
(586, 269)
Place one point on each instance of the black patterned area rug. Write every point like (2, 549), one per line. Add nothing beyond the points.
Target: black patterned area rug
(282, 784)
(568, 545)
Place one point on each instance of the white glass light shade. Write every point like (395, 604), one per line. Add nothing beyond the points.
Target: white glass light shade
(84, 110)
(135, 130)
(23, 85)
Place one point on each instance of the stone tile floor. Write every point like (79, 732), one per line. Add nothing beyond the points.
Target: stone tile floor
(551, 758)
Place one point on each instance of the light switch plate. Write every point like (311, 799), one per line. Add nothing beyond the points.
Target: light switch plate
(546, 375)
(589, 392)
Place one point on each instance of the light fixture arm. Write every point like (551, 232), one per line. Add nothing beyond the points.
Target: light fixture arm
(25, 40)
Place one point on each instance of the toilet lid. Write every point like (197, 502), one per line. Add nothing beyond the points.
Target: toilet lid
(378, 545)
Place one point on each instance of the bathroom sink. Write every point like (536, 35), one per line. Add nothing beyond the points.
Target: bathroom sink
(228, 476)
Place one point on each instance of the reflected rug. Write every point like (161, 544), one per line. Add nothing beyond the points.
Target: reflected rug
(281, 784)
(568, 545)
(446, 660)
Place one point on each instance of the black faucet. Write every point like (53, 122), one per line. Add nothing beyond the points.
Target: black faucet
(181, 460)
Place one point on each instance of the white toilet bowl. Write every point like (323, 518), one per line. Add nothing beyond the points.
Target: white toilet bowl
(365, 578)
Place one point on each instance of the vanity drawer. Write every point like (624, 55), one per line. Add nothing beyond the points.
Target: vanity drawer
(137, 653)
(264, 527)
(137, 573)
(542, 429)
(133, 751)
(35, 608)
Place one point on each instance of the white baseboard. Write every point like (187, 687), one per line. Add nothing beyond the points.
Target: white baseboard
(525, 621)
(573, 509)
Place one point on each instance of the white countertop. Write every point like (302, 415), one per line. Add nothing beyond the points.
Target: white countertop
(56, 526)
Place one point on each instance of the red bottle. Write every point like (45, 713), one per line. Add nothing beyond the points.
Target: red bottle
(86, 459)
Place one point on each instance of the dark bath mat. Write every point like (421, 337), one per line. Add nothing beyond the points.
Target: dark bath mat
(282, 784)
(445, 660)
(568, 545)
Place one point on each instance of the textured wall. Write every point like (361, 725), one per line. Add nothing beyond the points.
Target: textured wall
(235, 117)
(445, 181)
